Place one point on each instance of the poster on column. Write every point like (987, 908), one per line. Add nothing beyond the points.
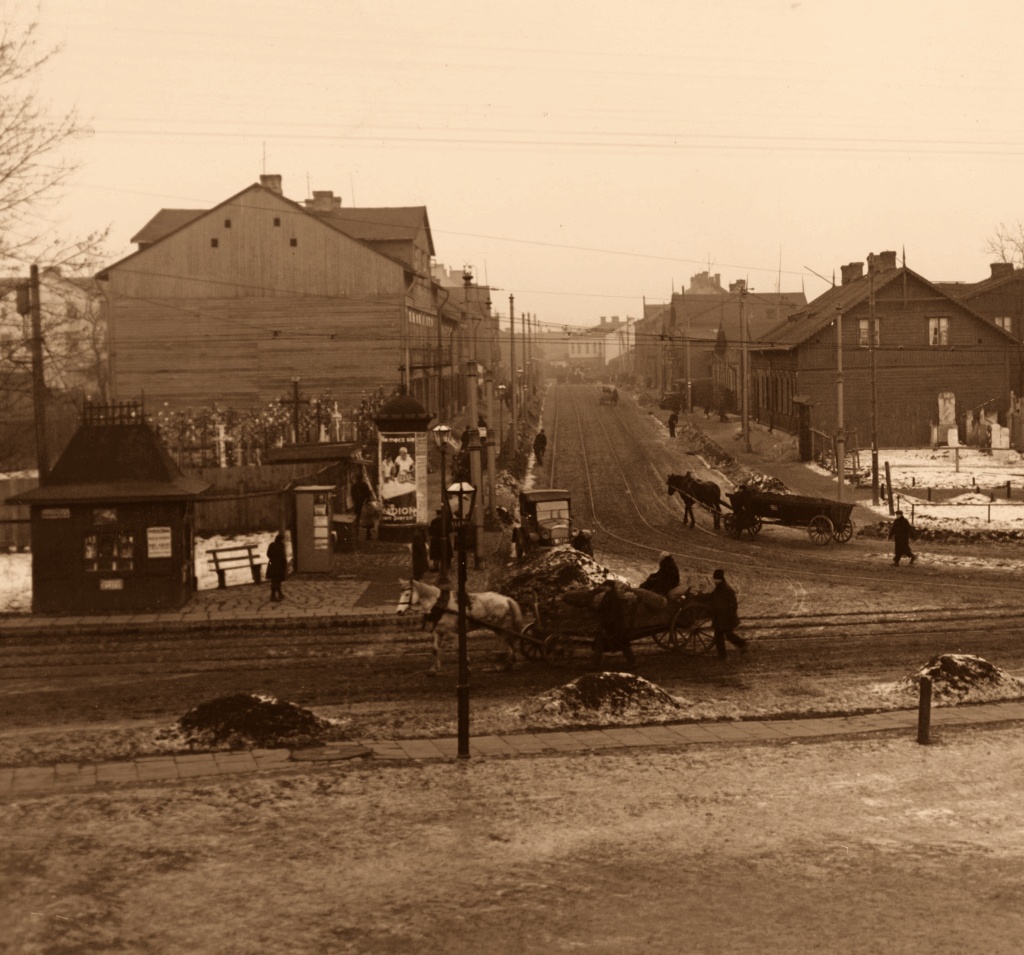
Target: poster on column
(402, 466)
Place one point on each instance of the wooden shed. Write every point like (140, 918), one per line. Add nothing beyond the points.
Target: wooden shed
(112, 524)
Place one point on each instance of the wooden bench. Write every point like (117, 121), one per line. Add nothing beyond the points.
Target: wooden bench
(234, 558)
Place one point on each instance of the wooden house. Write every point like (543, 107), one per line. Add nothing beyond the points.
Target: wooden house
(904, 343)
(999, 298)
(231, 304)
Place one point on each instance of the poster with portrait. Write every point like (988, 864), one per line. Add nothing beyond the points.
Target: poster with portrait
(402, 466)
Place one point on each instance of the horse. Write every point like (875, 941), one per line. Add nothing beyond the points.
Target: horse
(441, 608)
(691, 489)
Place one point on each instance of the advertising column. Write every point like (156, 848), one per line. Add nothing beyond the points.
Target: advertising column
(402, 466)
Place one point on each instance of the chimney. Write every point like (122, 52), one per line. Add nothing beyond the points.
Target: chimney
(272, 182)
(883, 262)
(852, 272)
(324, 200)
(1001, 269)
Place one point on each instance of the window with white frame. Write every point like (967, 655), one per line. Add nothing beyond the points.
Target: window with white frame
(938, 331)
(864, 330)
(1005, 323)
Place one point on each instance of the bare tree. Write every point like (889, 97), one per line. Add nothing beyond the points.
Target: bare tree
(1007, 243)
(34, 163)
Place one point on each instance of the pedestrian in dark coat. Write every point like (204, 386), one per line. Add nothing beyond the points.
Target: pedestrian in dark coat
(613, 635)
(277, 567)
(583, 543)
(540, 445)
(665, 579)
(440, 543)
(361, 493)
(724, 615)
(673, 420)
(901, 533)
(420, 563)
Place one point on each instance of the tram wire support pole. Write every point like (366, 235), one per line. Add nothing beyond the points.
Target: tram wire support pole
(924, 711)
(475, 470)
(441, 434)
(460, 499)
(744, 373)
(512, 372)
(840, 412)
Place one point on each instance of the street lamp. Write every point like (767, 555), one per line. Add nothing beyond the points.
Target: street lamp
(461, 497)
(441, 434)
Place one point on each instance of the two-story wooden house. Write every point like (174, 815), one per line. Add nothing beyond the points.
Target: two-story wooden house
(1000, 297)
(231, 304)
(904, 342)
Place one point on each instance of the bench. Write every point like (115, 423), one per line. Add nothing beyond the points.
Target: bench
(234, 558)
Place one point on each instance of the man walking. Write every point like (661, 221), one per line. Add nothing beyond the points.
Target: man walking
(901, 533)
(361, 493)
(612, 635)
(540, 445)
(724, 616)
(673, 420)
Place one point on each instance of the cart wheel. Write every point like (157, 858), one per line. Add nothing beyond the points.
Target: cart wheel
(692, 630)
(666, 639)
(558, 649)
(820, 530)
(845, 532)
(755, 526)
(730, 525)
(531, 642)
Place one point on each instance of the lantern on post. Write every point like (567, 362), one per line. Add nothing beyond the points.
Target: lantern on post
(461, 498)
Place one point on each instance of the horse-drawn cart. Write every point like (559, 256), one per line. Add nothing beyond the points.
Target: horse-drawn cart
(824, 520)
(571, 620)
(609, 395)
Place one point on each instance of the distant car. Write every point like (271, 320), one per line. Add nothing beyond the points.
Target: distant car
(545, 519)
(671, 402)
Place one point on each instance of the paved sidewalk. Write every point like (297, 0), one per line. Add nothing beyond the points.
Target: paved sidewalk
(64, 777)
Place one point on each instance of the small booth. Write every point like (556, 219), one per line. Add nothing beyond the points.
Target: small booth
(112, 524)
(314, 553)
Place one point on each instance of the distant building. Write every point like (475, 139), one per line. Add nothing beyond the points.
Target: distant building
(922, 343)
(592, 351)
(1000, 297)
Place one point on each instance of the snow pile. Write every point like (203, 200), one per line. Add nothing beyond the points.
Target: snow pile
(550, 573)
(601, 699)
(247, 721)
(958, 678)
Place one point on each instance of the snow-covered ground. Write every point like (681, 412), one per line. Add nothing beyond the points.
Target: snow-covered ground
(16, 570)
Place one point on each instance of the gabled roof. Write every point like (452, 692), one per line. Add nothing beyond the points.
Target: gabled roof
(819, 314)
(113, 462)
(164, 223)
(380, 224)
(968, 290)
(295, 206)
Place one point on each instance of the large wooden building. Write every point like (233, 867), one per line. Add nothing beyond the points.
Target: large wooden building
(925, 344)
(229, 305)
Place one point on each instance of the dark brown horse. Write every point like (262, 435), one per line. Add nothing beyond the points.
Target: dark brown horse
(690, 489)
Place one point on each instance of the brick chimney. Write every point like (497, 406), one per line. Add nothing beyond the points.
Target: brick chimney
(324, 200)
(883, 262)
(272, 182)
(852, 272)
(1001, 269)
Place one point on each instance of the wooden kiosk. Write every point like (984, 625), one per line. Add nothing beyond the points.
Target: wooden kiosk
(112, 524)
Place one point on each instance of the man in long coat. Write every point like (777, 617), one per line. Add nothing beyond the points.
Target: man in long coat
(724, 615)
(901, 533)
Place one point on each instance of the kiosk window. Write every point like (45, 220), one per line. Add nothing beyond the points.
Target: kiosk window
(107, 549)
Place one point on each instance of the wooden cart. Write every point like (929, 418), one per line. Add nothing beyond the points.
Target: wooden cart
(823, 519)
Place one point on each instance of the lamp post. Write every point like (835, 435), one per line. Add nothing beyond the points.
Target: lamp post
(501, 418)
(441, 434)
(461, 497)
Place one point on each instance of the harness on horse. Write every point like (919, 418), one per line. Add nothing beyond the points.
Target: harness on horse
(434, 615)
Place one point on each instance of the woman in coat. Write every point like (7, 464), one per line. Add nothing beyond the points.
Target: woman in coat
(277, 567)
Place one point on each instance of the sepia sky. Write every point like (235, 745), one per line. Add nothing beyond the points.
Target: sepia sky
(579, 155)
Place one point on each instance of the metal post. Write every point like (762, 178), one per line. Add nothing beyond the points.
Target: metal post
(873, 331)
(512, 370)
(475, 472)
(462, 691)
(38, 376)
(840, 420)
(689, 383)
(443, 566)
(492, 489)
(743, 371)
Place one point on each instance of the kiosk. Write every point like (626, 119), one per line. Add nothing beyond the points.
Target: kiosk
(314, 553)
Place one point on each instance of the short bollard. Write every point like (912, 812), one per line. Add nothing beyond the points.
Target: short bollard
(924, 711)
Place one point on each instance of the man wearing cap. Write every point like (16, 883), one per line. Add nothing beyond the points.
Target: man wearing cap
(612, 636)
(901, 532)
(665, 578)
(724, 616)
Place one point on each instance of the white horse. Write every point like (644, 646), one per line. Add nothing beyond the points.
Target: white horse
(442, 616)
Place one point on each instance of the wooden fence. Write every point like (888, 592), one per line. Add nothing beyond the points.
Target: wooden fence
(15, 531)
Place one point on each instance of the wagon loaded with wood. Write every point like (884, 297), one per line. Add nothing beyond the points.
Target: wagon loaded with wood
(823, 519)
(571, 621)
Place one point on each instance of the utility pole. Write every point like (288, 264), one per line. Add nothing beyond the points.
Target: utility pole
(744, 359)
(840, 420)
(512, 374)
(38, 376)
(492, 466)
(475, 471)
(526, 394)
(689, 383)
(873, 332)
